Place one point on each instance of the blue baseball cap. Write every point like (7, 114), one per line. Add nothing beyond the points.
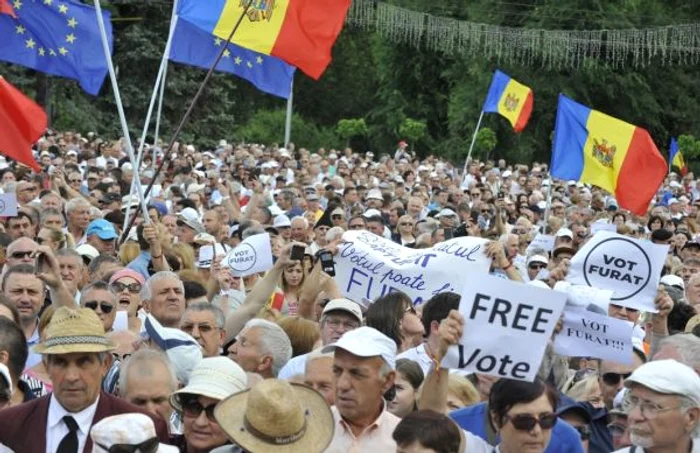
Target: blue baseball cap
(103, 229)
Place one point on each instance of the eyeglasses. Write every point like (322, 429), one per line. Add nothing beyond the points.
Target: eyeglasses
(648, 409)
(121, 357)
(335, 323)
(21, 255)
(583, 431)
(203, 328)
(149, 446)
(194, 408)
(614, 378)
(527, 422)
(118, 287)
(106, 307)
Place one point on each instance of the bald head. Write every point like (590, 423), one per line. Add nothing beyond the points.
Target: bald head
(19, 251)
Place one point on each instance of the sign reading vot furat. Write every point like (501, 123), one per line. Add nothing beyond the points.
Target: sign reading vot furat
(250, 256)
(629, 267)
(368, 267)
(587, 334)
(506, 327)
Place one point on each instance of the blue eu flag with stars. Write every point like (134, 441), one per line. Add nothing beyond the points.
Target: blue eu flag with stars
(60, 38)
(195, 47)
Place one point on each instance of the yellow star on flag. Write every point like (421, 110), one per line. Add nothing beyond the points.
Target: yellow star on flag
(237, 60)
(42, 52)
(63, 51)
(48, 2)
(52, 52)
(70, 38)
(20, 29)
(260, 60)
(227, 53)
(217, 42)
(72, 22)
(249, 64)
(63, 9)
(30, 43)
(17, 4)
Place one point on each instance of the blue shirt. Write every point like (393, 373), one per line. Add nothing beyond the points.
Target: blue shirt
(140, 264)
(565, 439)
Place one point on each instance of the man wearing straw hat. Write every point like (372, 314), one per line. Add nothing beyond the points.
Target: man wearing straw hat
(77, 357)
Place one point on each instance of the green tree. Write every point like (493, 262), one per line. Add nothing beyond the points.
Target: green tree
(352, 127)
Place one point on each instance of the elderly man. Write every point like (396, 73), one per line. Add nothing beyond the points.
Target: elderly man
(73, 271)
(21, 251)
(300, 230)
(262, 347)
(102, 235)
(76, 354)
(78, 214)
(663, 408)
(163, 296)
(364, 369)
(318, 374)
(338, 316)
(98, 298)
(205, 323)
(683, 347)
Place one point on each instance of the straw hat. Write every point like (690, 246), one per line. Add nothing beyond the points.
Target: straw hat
(277, 416)
(74, 330)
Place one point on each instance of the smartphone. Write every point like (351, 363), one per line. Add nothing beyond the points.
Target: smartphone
(449, 233)
(41, 263)
(327, 264)
(297, 252)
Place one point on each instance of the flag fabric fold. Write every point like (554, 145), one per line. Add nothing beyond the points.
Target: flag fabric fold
(511, 99)
(300, 32)
(60, 38)
(22, 123)
(195, 47)
(595, 148)
(676, 159)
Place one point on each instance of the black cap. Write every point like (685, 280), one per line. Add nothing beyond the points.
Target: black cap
(691, 244)
(111, 197)
(662, 234)
(577, 408)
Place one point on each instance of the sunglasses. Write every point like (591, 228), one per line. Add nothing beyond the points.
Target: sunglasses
(104, 306)
(21, 255)
(203, 328)
(149, 446)
(614, 378)
(194, 408)
(527, 422)
(536, 267)
(118, 287)
(337, 217)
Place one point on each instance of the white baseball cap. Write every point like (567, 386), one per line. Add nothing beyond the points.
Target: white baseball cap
(345, 305)
(447, 212)
(367, 342)
(538, 259)
(282, 221)
(565, 232)
(375, 194)
(673, 280)
(668, 377)
(371, 213)
(213, 377)
(130, 428)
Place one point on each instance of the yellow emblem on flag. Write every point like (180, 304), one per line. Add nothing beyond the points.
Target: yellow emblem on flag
(511, 102)
(260, 31)
(604, 152)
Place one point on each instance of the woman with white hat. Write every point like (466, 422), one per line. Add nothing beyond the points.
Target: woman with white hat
(212, 380)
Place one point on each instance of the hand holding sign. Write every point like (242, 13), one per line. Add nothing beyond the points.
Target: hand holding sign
(251, 256)
(450, 331)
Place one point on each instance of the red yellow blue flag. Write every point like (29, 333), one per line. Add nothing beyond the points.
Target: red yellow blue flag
(511, 99)
(300, 32)
(676, 158)
(595, 148)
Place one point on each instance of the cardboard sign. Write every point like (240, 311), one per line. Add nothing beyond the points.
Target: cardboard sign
(250, 256)
(368, 267)
(506, 327)
(541, 241)
(588, 334)
(628, 267)
(8, 205)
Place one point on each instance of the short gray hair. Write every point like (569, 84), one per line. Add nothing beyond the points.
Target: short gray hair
(74, 203)
(146, 290)
(688, 347)
(98, 286)
(143, 360)
(316, 355)
(334, 233)
(73, 254)
(273, 342)
(208, 306)
(687, 403)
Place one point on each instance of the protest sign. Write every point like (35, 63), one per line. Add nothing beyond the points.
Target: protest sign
(541, 241)
(603, 226)
(628, 267)
(587, 334)
(8, 205)
(251, 256)
(585, 297)
(506, 327)
(369, 266)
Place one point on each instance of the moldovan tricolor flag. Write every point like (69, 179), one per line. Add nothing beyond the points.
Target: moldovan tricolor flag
(300, 32)
(676, 158)
(594, 148)
(511, 99)
(22, 123)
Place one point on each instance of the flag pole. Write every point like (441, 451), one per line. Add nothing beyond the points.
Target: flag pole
(471, 147)
(120, 109)
(189, 110)
(166, 59)
(549, 204)
(288, 119)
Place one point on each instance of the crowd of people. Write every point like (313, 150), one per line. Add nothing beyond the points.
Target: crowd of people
(119, 337)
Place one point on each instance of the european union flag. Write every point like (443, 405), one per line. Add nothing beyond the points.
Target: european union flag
(195, 47)
(60, 38)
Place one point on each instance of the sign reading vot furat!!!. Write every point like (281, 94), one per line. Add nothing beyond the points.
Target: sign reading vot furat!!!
(369, 266)
(627, 266)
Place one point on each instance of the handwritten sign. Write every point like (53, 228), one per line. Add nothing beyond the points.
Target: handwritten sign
(369, 266)
(8, 205)
(506, 327)
(250, 256)
(587, 334)
(628, 267)
(541, 241)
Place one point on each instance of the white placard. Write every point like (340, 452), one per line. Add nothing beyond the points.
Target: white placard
(250, 256)
(368, 267)
(8, 205)
(628, 267)
(121, 321)
(541, 241)
(603, 226)
(587, 334)
(585, 297)
(506, 327)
